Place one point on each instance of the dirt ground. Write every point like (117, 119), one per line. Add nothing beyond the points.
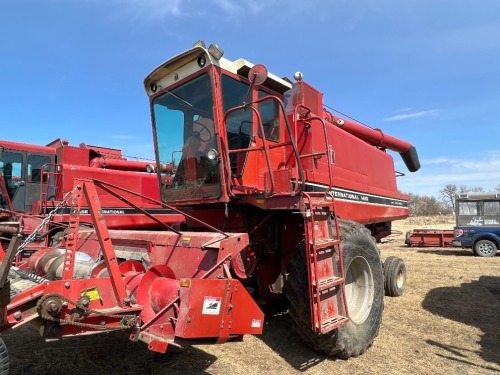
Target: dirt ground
(445, 323)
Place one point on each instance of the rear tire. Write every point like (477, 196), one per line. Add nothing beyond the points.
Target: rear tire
(4, 359)
(364, 292)
(394, 276)
(485, 248)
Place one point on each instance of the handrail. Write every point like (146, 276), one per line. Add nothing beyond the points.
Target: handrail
(325, 133)
(45, 181)
(265, 146)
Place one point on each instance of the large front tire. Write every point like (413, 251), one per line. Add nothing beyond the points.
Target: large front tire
(364, 293)
(4, 359)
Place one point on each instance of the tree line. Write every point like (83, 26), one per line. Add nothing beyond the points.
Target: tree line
(443, 204)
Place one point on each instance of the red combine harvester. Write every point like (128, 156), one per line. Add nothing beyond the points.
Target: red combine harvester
(34, 178)
(280, 197)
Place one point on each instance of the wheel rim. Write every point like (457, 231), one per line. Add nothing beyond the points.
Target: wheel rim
(485, 248)
(360, 289)
(400, 279)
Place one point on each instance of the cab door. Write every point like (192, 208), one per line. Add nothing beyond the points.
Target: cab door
(36, 181)
(12, 166)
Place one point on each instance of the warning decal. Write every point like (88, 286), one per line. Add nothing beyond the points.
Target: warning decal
(211, 305)
(256, 323)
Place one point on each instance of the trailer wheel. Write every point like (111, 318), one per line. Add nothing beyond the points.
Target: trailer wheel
(394, 276)
(4, 359)
(485, 248)
(364, 293)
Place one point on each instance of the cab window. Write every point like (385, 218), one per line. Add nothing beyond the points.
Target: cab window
(269, 113)
(35, 165)
(11, 169)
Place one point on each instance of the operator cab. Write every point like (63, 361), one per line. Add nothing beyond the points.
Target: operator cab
(185, 137)
(190, 96)
(21, 172)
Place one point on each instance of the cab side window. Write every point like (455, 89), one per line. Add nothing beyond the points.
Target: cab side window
(11, 169)
(269, 114)
(35, 165)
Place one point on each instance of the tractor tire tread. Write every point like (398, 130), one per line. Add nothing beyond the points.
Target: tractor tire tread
(349, 340)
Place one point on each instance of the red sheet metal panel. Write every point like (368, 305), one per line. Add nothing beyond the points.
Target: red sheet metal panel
(218, 309)
(429, 238)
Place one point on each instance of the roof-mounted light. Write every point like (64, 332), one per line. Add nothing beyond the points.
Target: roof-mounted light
(200, 43)
(215, 51)
(202, 60)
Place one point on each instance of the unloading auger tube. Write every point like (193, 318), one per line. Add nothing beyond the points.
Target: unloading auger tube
(378, 138)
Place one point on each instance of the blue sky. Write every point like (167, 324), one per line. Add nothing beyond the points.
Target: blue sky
(427, 71)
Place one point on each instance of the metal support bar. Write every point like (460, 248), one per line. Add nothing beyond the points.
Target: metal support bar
(102, 183)
(152, 217)
(105, 242)
(8, 258)
(74, 223)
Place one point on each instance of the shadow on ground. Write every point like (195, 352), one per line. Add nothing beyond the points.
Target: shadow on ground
(100, 354)
(476, 304)
(446, 251)
(279, 335)
(114, 353)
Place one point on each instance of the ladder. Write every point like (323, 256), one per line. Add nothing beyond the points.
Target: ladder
(325, 267)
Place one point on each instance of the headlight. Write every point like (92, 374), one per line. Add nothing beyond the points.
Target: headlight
(212, 154)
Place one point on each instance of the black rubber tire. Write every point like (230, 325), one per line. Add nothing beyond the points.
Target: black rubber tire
(4, 359)
(355, 337)
(485, 248)
(394, 276)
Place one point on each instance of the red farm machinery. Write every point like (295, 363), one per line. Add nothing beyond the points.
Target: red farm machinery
(34, 180)
(280, 198)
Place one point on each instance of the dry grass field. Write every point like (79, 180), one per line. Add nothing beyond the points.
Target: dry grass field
(447, 322)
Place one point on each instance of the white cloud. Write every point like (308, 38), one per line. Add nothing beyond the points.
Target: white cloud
(410, 115)
(149, 8)
(228, 6)
(183, 8)
(436, 161)
(436, 173)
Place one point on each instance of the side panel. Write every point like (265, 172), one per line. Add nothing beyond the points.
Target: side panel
(217, 308)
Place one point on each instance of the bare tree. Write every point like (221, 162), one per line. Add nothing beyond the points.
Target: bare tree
(463, 189)
(420, 205)
(497, 188)
(448, 193)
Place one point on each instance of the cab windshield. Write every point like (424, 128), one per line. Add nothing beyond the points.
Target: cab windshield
(184, 131)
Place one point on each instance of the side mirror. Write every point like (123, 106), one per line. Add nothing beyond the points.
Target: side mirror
(257, 75)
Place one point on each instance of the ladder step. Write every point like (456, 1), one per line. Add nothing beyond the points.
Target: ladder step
(318, 205)
(333, 322)
(325, 242)
(329, 282)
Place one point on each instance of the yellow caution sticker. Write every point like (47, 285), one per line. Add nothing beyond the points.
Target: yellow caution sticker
(93, 294)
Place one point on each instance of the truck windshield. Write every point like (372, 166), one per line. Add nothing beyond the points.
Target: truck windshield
(184, 131)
